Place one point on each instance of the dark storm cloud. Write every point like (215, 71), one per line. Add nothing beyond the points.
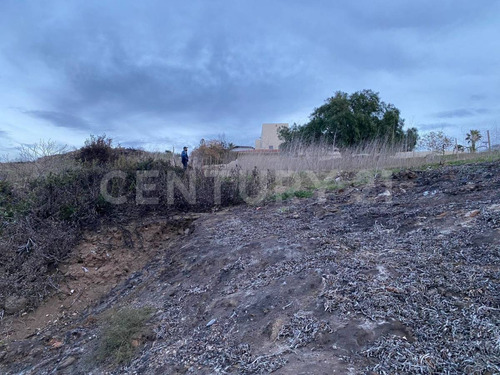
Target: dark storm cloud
(59, 119)
(212, 72)
(459, 113)
(214, 62)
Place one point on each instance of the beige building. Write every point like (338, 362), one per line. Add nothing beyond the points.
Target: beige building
(269, 139)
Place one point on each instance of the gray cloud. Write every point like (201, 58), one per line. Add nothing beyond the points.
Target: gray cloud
(425, 14)
(195, 69)
(209, 77)
(59, 119)
(435, 126)
(477, 97)
(461, 113)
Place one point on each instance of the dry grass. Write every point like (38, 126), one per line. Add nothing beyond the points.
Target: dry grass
(21, 172)
(376, 155)
(122, 334)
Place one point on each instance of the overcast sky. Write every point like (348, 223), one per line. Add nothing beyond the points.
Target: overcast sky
(163, 74)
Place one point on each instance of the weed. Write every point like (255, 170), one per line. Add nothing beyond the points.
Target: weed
(291, 194)
(121, 334)
(303, 194)
(335, 186)
(102, 206)
(145, 165)
(67, 212)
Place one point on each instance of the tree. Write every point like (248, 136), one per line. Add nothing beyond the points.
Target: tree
(213, 151)
(436, 141)
(411, 139)
(473, 137)
(42, 149)
(346, 120)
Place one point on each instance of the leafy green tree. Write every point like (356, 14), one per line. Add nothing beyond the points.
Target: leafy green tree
(473, 137)
(411, 139)
(346, 120)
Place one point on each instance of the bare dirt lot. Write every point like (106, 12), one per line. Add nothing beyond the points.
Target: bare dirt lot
(398, 276)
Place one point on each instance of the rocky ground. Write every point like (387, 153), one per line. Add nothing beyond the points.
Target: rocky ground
(396, 277)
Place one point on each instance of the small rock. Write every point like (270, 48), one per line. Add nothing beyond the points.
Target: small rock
(494, 207)
(411, 175)
(386, 193)
(426, 193)
(212, 322)
(67, 362)
(472, 213)
(55, 343)
(275, 329)
(15, 304)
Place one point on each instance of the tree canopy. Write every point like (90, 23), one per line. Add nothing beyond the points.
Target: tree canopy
(348, 120)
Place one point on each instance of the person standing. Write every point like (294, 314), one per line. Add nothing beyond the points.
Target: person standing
(185, 157)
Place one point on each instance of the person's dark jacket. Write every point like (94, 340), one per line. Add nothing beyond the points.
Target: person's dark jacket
(184, 157)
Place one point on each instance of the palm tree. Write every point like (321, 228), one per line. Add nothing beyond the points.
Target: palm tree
(473, 137)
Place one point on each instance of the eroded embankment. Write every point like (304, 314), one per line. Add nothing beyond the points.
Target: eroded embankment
(101, 260)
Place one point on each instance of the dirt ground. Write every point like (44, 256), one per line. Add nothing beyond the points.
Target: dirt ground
(100, 262)
(398, 276)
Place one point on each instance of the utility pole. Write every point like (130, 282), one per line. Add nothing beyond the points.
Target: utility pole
(489, 140)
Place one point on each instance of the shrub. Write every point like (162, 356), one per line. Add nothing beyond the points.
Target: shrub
(42, 218)
(97, 149)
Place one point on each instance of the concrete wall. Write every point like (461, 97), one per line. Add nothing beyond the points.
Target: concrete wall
(422, 154)
(268, 160)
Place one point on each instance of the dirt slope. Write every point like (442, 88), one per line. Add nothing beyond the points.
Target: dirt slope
(401, 276)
